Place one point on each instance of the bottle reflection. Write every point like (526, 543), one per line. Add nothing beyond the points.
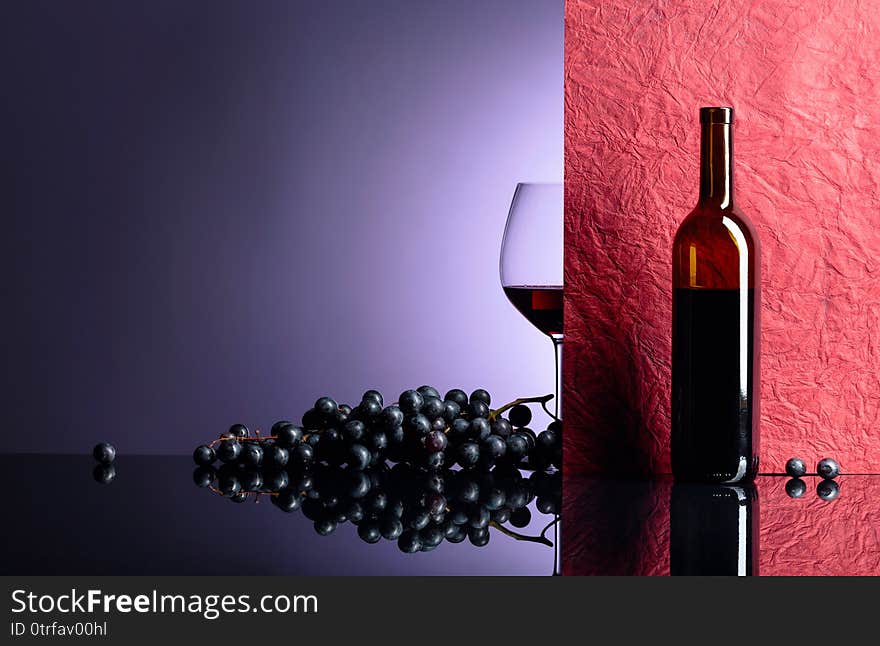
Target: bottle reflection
(714, 530)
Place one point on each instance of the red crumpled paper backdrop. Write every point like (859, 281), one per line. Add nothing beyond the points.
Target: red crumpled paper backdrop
(803, 78)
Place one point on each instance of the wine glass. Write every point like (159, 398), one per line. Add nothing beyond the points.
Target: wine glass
(531, 263)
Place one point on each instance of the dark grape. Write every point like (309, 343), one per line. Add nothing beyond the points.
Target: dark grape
(410, 402)
(468, 455)
(521, 517)
(409, 542)
(276, 455)
(547, 440)
(828, 469)
(228, 484)
(288, 435)
(276, 480)
(428, 391)
(203, 476)
(436, 460)
(369, 532)
(435, 503)
(312, 420)
(451, 410)
(545, 505)
(104, 473)
(354, 430)
(480, 395)
(436, 441)
(432, 406)
(795, 488)
(530, 436)
(828, 490)
(204, 455)
(501, 427)
(517, 446)
(480, 429)
(392, 417)
(417, 425)
(478, 409)
(377, 441)
(390, 527)
(304, 454)
(288, 500)
(325, 526)
(359, 456)
(375, 395)
(239, 431)
(277, 426)
(326, 407)
(239, 497)
(458, 396)
(459, 429)
(494, 447)
(368, 410)
(501, 515)
(431, 537)
(520, 415)
(479, 517)
(417, 518)
(251, 455)
(228, 451)
(104, 453)
(456, 534)
(479, 537)
(469, 491)
(438, 424)
(250, 480)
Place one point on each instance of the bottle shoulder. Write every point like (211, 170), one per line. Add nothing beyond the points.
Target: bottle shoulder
(722, 225)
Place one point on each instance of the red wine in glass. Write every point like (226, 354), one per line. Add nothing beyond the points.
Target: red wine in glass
(540, 304)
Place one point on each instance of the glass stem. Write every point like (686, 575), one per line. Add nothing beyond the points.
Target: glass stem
(557, 349)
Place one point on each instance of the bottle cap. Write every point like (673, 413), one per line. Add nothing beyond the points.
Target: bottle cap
(716, 115)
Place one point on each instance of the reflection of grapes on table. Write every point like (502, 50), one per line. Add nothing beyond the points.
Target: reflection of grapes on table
(418, 472)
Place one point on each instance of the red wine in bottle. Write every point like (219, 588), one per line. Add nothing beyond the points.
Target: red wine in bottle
(541, 305)
(716, 302)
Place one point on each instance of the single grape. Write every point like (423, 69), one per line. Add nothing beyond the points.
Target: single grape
(517, 446)
(416, 518)
(369, 532)
(428, 391)
(312, 420)
(431, 537)
(392, 417)
(494, 447)
(456, 534)
(239, 431)
(277, 426)
(250, 480)
(432, 406)
(377, 441)
(326, 407)
(287, 436)
(325, 526)
(469, 491)
(480, 429)
(555, 426)
(477, 409)
(547, 440)
(459, 429)
(417, 425)
(493, 498)
(545, 505)
(251, 455)
(288, 500)
(354, 430)
(828, 490)
(468, 455)
(501, 515)
(480, 395)
(228, 451)
(459, 515)
(239, 497)
(439, 424)
(501, 427)
(451, 410)
(521, 517)
(204, 476)
(390, 527)
(345, 409)
(359, 456)
(795, 488)
(458, 396)
(436, 441)
(435, 483)
(409, 542)
(104, 453)
(410, 402)
(828, 469)
(479, 537)
(228, 484)
(276, 480)
(374, 395)
(395, 436)
(304, 454)
(204, 455)
(520, 415)
(276, 455)
(530, 436)
(368, 410)
(479, 517)
(435, 503)
(104, 473)
(435, 461)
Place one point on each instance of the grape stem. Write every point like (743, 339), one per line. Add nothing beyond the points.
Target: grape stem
(543, 540)
(523, 400)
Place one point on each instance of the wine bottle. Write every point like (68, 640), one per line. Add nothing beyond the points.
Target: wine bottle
(714, 530)
(716, 328)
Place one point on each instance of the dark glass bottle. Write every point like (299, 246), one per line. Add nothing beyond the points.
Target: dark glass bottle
(714, 530)
(716, 306)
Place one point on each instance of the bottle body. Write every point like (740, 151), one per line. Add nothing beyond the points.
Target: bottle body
(716, 303)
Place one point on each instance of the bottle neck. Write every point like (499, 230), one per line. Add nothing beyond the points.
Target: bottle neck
(716, 165)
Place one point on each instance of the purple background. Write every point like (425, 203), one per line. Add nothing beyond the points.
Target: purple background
(216, 212)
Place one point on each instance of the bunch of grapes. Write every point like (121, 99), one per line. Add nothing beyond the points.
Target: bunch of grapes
(416, 507)
(421, 429)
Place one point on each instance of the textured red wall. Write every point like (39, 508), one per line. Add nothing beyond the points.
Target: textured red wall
(803, 78)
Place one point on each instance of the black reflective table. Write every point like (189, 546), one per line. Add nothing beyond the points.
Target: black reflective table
(775, 526)
(153, 519)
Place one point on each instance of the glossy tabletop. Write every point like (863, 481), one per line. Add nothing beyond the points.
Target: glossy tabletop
(153, 519)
